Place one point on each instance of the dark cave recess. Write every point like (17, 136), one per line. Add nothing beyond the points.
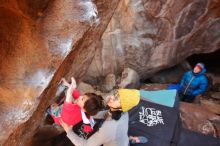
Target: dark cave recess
(211, 61)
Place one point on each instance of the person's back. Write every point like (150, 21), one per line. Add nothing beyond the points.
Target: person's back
(111, 133)
(117, 136)
(121, 131)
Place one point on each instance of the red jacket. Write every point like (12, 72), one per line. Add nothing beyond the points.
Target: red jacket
(71, 113)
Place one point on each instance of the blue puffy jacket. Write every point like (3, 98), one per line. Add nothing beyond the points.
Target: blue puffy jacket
(193, 84)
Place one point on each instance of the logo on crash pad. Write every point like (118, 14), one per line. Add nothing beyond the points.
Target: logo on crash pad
(150, 116)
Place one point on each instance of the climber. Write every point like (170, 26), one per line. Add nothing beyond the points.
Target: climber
(77, 109)
(193, 83)
(113, 131)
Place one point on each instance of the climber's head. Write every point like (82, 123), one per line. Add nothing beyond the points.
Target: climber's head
(90, 103)
(198, 68)
(123, 99)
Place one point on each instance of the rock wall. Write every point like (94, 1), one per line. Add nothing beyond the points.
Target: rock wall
(150, 35)
(40, 43)
(197, 118)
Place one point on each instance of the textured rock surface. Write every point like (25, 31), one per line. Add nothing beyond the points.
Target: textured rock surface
(85, 88)
(129, 79)
(171, 75)
(45, 134)
(215, 95)
(215, 80)
(109, 83)
(150, 35)
(211, 105)
(154, 86)
(35, 39)
(199, 119)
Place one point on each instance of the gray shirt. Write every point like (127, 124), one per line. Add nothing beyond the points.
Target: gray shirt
(112, 133)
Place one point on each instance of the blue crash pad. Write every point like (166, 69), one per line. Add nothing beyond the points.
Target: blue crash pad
(163, 97)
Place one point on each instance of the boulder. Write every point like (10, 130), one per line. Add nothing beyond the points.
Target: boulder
(215, 95)
(85, 88)
(152, 35)
(154, 86)
(199, 119)
(211, 105)
(171, 75)
(129, 79)
(109, 83)
(41, 42)
(214, 81)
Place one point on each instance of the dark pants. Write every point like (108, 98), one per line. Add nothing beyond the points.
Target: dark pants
(186, 98)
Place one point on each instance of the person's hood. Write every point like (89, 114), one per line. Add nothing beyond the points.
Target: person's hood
(201, 73)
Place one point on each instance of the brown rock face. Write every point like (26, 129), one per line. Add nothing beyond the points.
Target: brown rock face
(35, 39)
(22, 76)
(150, 35)
(211, 105)
(199, 119)
(171, 75)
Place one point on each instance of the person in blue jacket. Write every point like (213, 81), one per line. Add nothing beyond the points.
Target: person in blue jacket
(193, 83)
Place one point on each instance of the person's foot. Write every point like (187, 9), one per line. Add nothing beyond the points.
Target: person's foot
(53, 109)
(138, 139)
